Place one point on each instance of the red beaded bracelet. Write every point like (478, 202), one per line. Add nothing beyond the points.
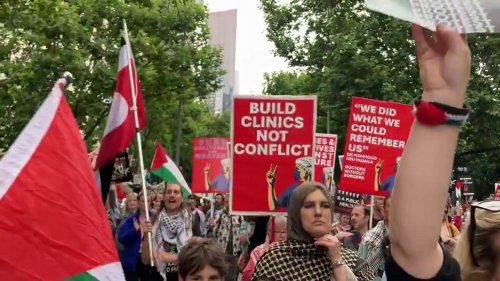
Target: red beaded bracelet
(434, 114)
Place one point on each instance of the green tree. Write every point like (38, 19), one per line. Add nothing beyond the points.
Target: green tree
(343, 50)
(40, 39)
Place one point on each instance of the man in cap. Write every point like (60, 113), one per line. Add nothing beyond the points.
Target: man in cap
(303, 173)
(221, 182)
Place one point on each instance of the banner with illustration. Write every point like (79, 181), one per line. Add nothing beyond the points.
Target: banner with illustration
(376, 136)
(272, 141)
(324, 160)
(467, 186)
(211, 165)
(121, 170)
(346, 200)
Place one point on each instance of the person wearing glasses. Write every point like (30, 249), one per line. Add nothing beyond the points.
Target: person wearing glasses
(276, 232)
(424, 174)
(478, 248)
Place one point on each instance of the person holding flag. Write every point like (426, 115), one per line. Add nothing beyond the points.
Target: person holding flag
(131, 235)
(173, 225)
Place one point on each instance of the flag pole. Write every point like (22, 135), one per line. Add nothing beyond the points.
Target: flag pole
(372, 209)
(133, 87)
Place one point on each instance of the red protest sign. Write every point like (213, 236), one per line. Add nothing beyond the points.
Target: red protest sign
(211, 165)
(324, 160)
(272, 151)
(496, 196)
(376, 136)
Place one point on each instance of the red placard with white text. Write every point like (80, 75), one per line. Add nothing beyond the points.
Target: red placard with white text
(324, 160)
(496, 196)
(375, 140)
(272, 151)
(211, 165)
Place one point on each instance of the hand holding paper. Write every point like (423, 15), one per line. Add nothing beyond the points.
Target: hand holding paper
(444, 60)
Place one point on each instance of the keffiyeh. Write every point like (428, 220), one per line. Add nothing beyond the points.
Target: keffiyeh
(296, 260)
(173, 230)
(373, 239)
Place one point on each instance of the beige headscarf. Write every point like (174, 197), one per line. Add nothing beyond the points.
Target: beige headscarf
(295, 229)
(298, 258)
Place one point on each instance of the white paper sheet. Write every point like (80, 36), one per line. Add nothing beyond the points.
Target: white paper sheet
(466, 16)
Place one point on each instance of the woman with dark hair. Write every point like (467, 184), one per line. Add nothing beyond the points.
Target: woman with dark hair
(311, 253)
(172, 229)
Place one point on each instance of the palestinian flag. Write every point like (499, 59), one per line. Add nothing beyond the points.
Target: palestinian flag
(166, 169)
(53, 226)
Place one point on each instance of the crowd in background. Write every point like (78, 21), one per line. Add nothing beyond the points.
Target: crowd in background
(415, 233)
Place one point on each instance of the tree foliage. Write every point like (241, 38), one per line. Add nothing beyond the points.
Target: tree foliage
(40, 39)
(340, 50)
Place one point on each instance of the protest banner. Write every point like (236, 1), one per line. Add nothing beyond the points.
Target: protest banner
(272, 151)
(324, 159)
(121, 170)
(466, 16)
(467, 186)
(211, 165)
(376, 136)
(345, 201)
(496, 196)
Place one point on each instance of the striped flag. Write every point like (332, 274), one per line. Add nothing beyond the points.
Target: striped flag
(120, 128)
(53, 226)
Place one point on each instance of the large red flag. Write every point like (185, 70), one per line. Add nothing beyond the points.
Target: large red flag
(53, 224)
(121, 127)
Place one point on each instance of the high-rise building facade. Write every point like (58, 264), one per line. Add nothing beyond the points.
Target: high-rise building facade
(223, 35)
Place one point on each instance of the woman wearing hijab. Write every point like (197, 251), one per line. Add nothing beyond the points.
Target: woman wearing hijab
(311, 253)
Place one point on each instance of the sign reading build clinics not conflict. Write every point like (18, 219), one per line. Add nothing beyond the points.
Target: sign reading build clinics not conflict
(272, 151)
(376, 136)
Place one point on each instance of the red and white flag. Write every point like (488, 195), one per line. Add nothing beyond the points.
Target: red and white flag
(53, 226)
(121, 127)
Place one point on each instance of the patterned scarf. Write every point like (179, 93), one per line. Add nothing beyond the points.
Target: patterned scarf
(172, 229)
(373, 239)
(301, 261)
(294, 260)
(298, 259)
(228, 224)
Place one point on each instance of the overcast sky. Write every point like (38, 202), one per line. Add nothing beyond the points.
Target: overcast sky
(254, 55)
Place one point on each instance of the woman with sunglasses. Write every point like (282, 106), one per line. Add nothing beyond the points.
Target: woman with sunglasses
(425, 169)
(478, 248)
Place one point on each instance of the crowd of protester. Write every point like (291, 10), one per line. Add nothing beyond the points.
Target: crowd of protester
(415, 233)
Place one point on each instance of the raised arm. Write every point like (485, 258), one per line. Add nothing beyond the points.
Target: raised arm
(271, 190)
(425, 168)
(206, 173)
